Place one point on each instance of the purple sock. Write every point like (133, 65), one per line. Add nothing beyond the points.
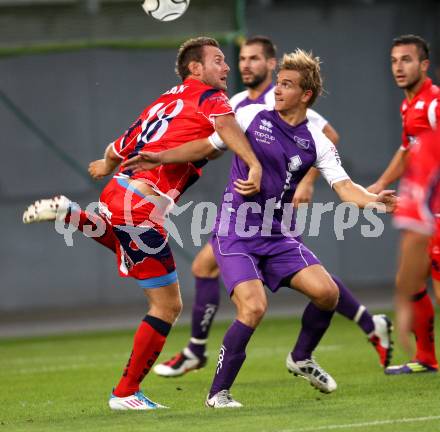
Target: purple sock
(349, 307)
(315, 322)
(204, 309)
(231, 357)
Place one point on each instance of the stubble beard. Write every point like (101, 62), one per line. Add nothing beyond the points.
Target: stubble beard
(256, 81)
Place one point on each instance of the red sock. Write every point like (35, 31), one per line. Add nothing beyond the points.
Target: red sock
(423, 328)
(148, 344)
(94, 222)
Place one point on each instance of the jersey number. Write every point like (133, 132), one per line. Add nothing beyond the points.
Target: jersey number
(158, 120)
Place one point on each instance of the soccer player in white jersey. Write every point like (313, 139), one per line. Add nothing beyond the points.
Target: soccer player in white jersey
(257, 62)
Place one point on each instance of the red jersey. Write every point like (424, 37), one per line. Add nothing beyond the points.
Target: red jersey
(419, 189)
(420, 114)
(184, 113)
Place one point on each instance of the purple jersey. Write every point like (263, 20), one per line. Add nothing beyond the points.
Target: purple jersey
(286, 153)
(241, 100)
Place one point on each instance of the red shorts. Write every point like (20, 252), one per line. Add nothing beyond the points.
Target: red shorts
(434, 252)
(142, 248)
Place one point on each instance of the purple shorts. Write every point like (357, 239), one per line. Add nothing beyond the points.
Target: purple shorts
(270, 259)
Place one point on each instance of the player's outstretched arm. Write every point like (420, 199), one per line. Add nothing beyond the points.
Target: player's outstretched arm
(191, 151)
(349, 191)
(392, 173)
(331, 133)
(103, 167)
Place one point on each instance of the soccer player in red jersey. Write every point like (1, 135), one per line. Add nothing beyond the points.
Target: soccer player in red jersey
(419, 193)
(420, 113)
(133, 206)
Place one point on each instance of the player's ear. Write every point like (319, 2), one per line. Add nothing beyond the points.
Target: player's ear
(306, 96)
(424, 65)
(195, 68)
(272, 63)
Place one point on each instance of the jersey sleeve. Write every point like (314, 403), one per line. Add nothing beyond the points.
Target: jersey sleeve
(214, 103)
(316, 119)
(244, 117)
(269, 98)
(434, 114)
(328, 161)
(237, 98)
(125, 143)
(405, 145)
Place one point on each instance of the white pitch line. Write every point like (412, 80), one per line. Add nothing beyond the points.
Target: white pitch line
(363, 424)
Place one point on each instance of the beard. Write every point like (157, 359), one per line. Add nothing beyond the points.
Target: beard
(411, 84)
(255, 80)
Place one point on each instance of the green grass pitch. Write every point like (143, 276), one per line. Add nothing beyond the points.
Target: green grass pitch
(62, 383)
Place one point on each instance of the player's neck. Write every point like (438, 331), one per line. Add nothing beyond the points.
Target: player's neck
(294, 116)
(413, 90)
(256, 92)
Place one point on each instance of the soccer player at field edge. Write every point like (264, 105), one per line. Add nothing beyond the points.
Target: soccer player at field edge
(257, 62)
(420, 112)
(133, 206)
(419, 193)
(249, 256)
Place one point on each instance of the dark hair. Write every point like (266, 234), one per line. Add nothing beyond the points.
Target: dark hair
(269, 49)
(192, 50)
(410, 39)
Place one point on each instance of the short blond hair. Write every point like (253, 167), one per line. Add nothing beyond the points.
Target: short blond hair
(308, 67)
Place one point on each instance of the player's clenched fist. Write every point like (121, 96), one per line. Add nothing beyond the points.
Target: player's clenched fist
(99, 169)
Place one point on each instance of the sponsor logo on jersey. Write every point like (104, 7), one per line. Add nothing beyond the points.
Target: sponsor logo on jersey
(266, 126)
(295, 163)
(302, 142)
(264, 137)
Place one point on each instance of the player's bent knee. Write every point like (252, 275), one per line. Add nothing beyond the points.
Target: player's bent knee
(251, 314)
(203, 268)
(168, 312)
(328, 297)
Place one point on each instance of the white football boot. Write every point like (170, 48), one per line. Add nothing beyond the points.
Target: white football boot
(312, 372)
(381, 339)
(222, 399)
(137, 401)
(51, 209)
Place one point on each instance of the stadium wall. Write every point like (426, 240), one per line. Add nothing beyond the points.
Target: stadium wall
(83, 100)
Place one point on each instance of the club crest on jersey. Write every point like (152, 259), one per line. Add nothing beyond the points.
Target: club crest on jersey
(266, 125)
(295, 163)
(419, 105)
(302, 142)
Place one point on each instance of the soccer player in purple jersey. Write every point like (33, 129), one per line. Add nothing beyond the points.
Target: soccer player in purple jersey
(253, 245)
(257, 62)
